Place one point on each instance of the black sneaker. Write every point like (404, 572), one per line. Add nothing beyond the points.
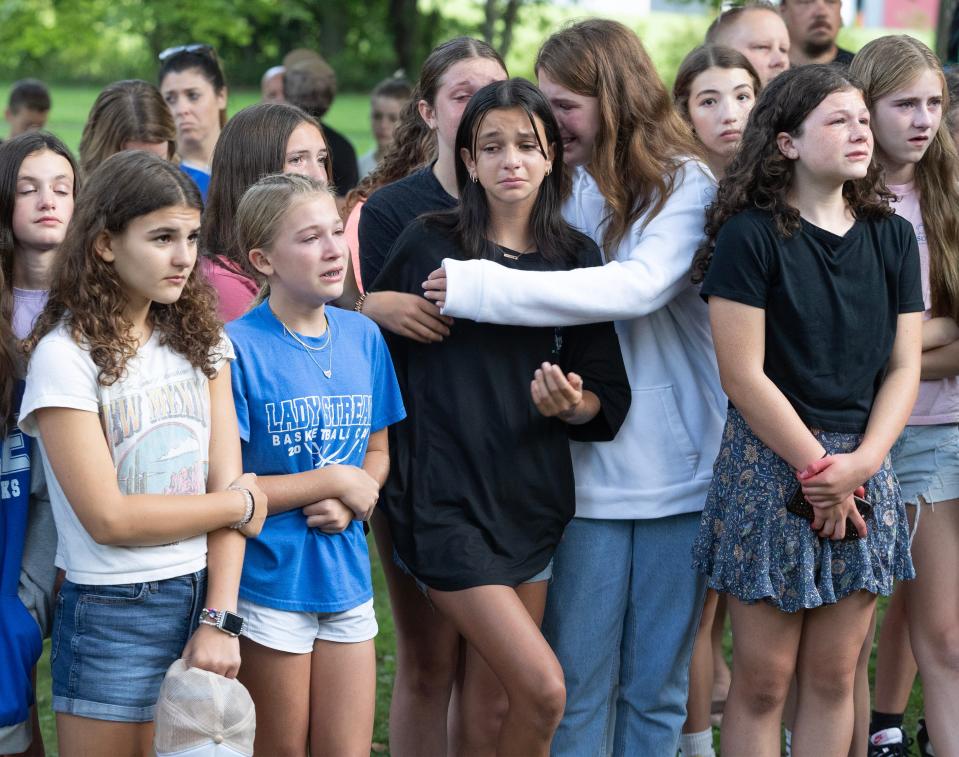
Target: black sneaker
(922, 740)
(889, 742)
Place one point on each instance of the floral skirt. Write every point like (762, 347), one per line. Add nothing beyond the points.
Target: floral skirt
(751, 547)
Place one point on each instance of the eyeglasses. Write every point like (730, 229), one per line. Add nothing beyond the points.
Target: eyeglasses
(195, 47)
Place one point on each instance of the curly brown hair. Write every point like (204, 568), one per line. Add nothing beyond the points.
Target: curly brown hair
(88, 297)
(8, 365)
(760, 176)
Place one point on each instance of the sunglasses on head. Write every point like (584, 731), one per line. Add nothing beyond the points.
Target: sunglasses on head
(191, 48)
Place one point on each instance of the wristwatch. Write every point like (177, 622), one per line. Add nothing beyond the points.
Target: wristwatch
(228, 622)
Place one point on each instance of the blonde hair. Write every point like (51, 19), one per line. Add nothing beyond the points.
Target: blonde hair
(261, 211)
(884, 66)
(642, 140)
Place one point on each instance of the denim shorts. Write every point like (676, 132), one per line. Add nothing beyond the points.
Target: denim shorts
(111, 645)
(926, 462)
(295, 632)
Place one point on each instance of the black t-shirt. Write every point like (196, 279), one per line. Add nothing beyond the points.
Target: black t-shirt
(843, 56)
(481, 484)
(390, 209)
(345, 173)
(831, 306)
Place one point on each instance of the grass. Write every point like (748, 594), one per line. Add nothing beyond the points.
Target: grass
(71, 106)
(386, 669)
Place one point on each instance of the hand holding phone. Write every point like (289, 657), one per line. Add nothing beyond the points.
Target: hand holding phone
(799, 505)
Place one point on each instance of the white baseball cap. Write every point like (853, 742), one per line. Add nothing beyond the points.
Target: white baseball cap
(202, 714)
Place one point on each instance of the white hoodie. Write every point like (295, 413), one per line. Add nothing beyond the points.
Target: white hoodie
(660, 464)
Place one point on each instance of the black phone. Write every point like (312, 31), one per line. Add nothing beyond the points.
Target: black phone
(797, 504)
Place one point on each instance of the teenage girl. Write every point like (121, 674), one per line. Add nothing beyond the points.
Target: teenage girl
(127, 115)
(387, 102)
(478, 525)
(418, 175)
(638, 497)
(904, 82)
(259, 140)
(814, 302)
(316, 434)
(715, 89)
(38, 183)
(194, 88)
(128, 393)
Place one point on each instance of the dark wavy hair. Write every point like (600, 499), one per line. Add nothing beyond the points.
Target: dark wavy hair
(251, 146)
(87, 295)
(554, 238)
(414, 143)
(760, 176)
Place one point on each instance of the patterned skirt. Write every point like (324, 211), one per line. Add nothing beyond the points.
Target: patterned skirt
(751, 547)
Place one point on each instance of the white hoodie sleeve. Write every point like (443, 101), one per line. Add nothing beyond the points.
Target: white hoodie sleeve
(651, 268)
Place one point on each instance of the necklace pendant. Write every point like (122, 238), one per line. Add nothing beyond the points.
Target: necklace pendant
(327, 373)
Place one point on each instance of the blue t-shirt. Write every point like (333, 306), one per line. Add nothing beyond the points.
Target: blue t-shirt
(200, 178)
(20, 642)
(293, 419)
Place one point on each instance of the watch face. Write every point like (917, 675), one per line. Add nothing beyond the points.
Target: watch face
(232, 623)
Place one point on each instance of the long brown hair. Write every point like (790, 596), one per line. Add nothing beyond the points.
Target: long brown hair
(251, 145)
(414, 143)
(87, 295)
(8, 363)
(760, 176)
(642, 142)
(125, 111)
(884, 66)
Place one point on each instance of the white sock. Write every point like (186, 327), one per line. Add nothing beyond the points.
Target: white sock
(697, 744)
(789, 742)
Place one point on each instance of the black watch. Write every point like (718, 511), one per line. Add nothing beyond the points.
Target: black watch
(228, 622)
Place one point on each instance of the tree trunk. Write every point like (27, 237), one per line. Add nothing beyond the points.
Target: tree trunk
(404, 20)
(489, 21)
(509, 21)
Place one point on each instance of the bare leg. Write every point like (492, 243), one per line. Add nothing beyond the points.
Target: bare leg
(860, 734)
(484, 701)
(85, 737)
(279, 683)
(832, 638)
(895, 664)
(722, 675)
(427, 650)
(765, 644)
(498, 625)
(699, 703)
(932, 606)
(342, 699)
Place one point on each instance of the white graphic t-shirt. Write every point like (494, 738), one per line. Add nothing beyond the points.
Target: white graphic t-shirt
(156, 420)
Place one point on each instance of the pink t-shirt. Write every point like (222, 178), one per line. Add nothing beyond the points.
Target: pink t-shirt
(938, 401)
(352, 233)
(235, 291)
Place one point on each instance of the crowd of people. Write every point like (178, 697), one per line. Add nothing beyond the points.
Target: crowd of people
(600, 364)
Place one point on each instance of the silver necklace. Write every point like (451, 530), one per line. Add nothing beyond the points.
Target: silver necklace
(328, 372)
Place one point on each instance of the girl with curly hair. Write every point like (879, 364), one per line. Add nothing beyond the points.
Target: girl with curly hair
(905, 83)
(38, 184)
(639, 192)
(814, 300)
(128, 393)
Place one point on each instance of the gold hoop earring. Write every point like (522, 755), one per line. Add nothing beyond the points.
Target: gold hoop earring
(549, 170)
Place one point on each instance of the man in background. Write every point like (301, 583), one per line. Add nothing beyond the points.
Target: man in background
(28, 107)
(813, 26)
